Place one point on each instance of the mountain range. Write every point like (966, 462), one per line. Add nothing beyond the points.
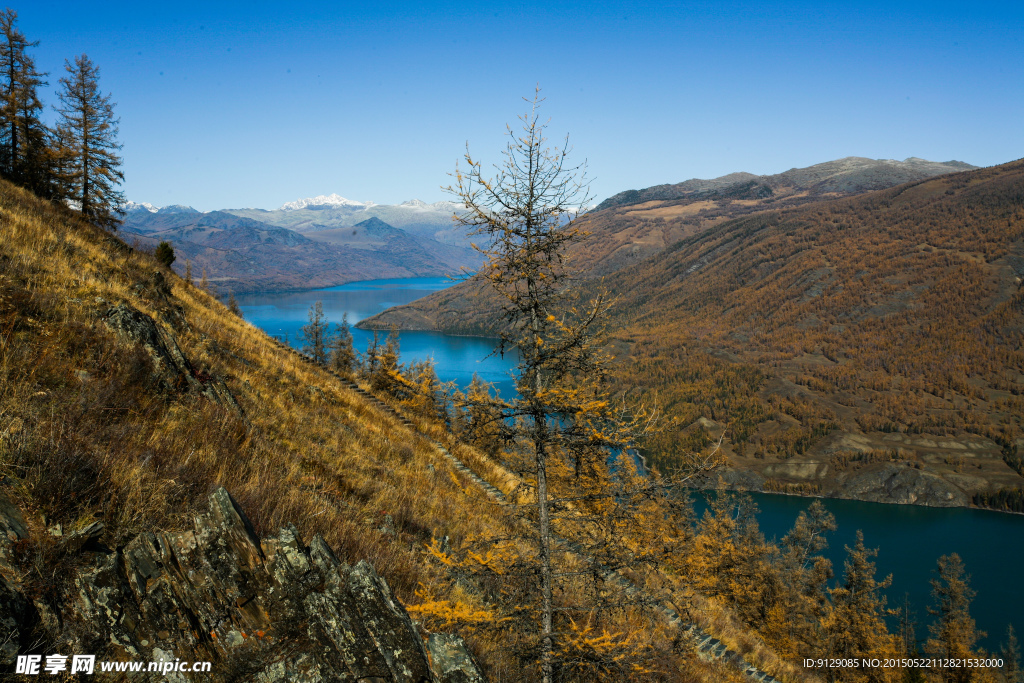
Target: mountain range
(317, 242)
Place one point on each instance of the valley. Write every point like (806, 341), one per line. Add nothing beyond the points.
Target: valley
(865, 347)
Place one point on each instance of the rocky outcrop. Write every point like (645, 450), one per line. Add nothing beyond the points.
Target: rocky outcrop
(897, 483)
(269, 610)
(171, 366)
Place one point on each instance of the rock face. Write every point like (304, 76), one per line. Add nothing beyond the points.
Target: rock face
(269, 610)
(172, 367)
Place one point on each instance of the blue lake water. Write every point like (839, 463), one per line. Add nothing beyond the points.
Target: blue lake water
(910, 538)
(455, 358)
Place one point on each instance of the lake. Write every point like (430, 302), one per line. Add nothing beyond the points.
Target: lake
(910, 537)
(455, 358)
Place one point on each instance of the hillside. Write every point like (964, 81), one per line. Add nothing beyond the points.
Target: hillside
(634, 225)
(244, 255)
(867, 347)
(174, 483)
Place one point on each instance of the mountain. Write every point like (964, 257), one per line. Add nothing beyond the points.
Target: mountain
(634, 225)
(850, 175)
(871, 345)
(323, 202)
(242, 254)
(329, 212)
(865, 347)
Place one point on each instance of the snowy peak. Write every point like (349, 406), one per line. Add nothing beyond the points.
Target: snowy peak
(178, 208)
(132, 207)
(420, 205)
(325, 201)
(129, 207)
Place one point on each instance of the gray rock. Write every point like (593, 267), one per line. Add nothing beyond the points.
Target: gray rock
(172, 367)
(451, 660)
(894, 483)
(270, 610)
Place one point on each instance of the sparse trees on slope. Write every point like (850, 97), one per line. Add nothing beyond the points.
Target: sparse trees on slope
(568, 439)
(87, 117)
(24, 155)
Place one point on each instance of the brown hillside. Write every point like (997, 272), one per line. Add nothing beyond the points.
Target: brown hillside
(635, 225)
(870, 347)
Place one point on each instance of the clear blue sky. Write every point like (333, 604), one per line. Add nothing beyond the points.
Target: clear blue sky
(229, 105)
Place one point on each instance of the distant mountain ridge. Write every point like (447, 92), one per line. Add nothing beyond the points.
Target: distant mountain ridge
(243, 254)
(850, 175)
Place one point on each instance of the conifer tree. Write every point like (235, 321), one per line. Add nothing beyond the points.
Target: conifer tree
(481, 417)
(343, 353)
(953, 634)
(24, 155)
(315, 334)
(386, 375)
(165, 253)
(1010, 653)
(233, 304)
(797, 594)
(568, 440)
(855, 625)
(87, 117)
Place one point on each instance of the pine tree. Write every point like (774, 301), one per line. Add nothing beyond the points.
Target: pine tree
(803, 597)
(855, 625)
(1010, 653)
(953, 634)
(481, 417)
(569, 442)
(386, 374)
(165, 253)
(24, 154)
(87, 117)
(343, 353)
(233, 304)
(315, 334)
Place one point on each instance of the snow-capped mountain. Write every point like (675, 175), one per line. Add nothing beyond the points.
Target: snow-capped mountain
(129, 207)
(420, 205)
(325, 201)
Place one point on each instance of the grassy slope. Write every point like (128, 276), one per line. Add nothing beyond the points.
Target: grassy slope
(87, 433)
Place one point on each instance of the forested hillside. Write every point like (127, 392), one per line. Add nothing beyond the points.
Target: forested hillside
(866, 347)
(846, 346)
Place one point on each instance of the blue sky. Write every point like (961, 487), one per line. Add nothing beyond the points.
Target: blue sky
(230, 105)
